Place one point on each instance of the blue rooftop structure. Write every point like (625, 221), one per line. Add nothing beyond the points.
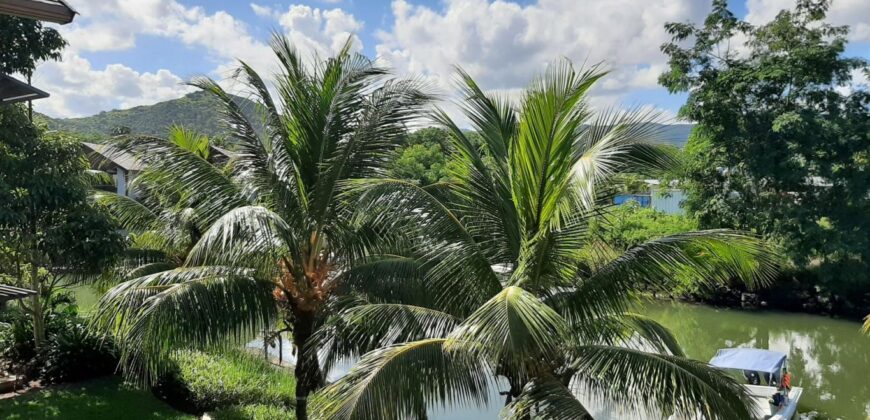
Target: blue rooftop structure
(749, 359)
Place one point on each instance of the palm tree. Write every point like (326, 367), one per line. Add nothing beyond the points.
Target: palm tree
(276, 235)
(161, 221)
(516, 295)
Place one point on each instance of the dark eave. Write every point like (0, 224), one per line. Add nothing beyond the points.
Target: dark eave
(8, 293)
(57, 11)
(13, 90)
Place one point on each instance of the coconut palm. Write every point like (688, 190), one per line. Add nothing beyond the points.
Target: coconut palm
(161, 220)
(515, 294)
(275, 237)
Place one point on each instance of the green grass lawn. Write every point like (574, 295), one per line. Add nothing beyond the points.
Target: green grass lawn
(98, 399)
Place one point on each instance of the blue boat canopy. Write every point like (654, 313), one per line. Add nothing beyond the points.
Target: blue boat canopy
(749, 359)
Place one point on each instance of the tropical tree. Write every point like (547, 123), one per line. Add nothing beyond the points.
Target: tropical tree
(494, 289)
(276, 236)
(159, 215)
(49, 233)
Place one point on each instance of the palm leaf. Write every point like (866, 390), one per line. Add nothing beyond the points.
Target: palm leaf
(387, 383)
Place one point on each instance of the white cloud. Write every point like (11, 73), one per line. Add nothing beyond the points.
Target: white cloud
(263, 11)
(503, 45)
(319, 31)
(111, 25)
(79, 90)
(854, 13)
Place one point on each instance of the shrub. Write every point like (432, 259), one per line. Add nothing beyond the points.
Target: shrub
(203, 382)
(253, 412)
(72, 354)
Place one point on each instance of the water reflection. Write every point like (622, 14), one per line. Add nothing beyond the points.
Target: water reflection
(828, 357)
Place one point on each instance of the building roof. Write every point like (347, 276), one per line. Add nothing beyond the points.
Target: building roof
(117, 157)
(11, 293)
(758, 360)
(13, 90)
(57, 11)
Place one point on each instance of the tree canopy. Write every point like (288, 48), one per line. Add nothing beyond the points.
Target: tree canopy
(25, 43)
(782, 145)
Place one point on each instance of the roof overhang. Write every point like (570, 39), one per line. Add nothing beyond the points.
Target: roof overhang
(56, 11)
(8, 293)
(13, 90)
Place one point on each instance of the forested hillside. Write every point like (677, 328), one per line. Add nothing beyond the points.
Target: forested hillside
(198, 111)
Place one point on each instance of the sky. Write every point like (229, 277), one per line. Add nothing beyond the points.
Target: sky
(124, 53)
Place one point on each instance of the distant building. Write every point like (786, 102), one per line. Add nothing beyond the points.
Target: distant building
(122, 166)
(668, 200)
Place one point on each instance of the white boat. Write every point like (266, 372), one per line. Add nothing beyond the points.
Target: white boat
(761, 366)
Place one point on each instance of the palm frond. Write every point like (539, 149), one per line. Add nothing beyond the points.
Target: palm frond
(388, 384)
(546, 399)
(131, 214)
(361, 329)
(200, 307)
(655, 382)
(707, 257)
(513, 329)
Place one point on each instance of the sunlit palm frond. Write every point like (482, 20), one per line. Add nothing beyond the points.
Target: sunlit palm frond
(388, 384)
(201, 307)
(546, 399)
(513, 329)
(656, 382)
(361, 329)
(707, 257)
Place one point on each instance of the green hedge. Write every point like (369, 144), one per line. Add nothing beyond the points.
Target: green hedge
(205, 382)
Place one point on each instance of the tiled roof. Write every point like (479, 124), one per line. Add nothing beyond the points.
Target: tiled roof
(120, 158)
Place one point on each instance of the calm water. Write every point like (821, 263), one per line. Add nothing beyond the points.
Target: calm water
(829, 358)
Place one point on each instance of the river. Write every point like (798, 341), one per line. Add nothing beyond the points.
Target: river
(829, 358)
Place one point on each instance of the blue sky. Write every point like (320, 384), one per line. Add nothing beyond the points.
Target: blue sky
(125, 53)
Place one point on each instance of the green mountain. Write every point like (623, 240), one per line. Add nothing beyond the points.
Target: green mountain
(199, 111)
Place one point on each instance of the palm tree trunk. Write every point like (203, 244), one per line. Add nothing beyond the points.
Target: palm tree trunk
(308, 374)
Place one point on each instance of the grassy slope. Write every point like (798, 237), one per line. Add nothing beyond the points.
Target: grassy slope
(98, 399)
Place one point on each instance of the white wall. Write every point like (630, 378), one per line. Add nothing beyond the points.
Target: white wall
(669, 204)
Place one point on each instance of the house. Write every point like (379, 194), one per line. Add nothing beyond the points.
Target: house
(122, 166)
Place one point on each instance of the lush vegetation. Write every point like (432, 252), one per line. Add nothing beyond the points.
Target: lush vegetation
(781, 146)
(49, 232)
(99, 399)
(277, 233)
(493, 283)
(25, 43)
(203, 382)
(197, 111)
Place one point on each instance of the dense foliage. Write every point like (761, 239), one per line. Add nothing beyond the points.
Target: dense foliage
(71, 352)
(196, 111)
(48, 230)
(630, 225)
(25, 43)
(782, 146)
(203, 382)
(491, 284)
(423, 157)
